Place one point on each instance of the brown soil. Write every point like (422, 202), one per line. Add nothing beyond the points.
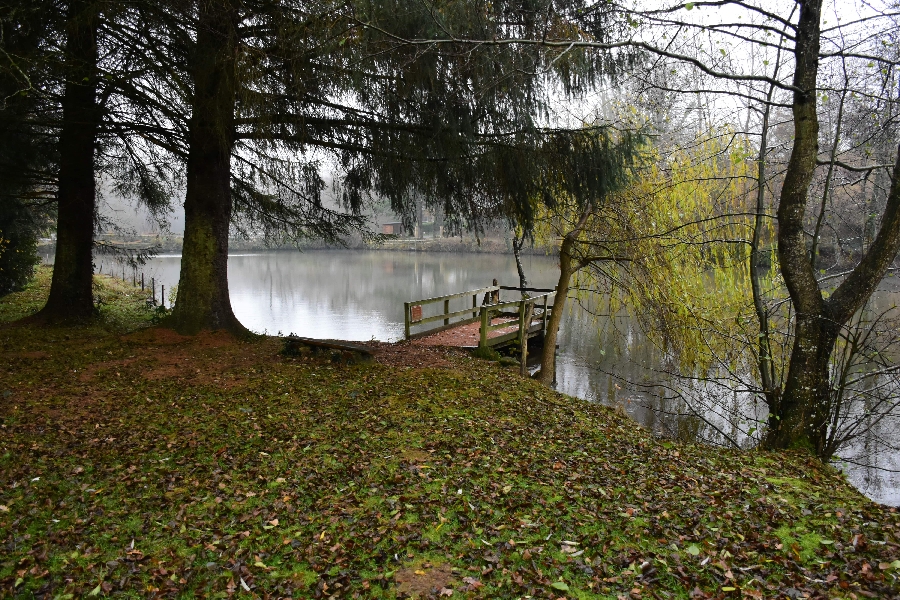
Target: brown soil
(160, 353)
(409, 354)
(415, 456)
(424, 581)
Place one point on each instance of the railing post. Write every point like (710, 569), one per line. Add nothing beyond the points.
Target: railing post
(406, 319)
(474, 305)
(526, 308)
(485, 323)
(446, 311)
(544, 326)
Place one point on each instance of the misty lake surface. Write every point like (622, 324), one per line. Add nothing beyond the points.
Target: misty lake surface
(359, 295)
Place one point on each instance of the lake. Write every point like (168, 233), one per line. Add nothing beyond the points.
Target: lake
(359, 296)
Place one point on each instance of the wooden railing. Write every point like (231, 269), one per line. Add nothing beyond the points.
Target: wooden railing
(522, 311)
(518, 316)
(413, 312)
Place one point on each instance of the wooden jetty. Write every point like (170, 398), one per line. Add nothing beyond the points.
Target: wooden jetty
(488, 322)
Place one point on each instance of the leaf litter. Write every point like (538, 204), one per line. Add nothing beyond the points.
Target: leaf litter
(240, 471)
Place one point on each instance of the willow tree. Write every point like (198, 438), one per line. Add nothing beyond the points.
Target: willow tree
(580, 176)
(804, 399)
(801, 407)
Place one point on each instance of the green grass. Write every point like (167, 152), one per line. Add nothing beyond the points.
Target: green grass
(150, 464)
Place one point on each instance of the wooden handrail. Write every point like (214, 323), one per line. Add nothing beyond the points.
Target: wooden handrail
(452, 296)
(511, 288)
(484, 313)
(446, 315)
(523, 307)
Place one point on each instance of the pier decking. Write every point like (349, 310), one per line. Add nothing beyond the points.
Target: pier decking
(489, 321)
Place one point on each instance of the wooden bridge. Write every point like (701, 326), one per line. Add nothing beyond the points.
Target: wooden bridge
(481, 318)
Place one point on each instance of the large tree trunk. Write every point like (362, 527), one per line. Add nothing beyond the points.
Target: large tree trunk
(567, 268)
(71, 294)
(800, 417)
(203, 301)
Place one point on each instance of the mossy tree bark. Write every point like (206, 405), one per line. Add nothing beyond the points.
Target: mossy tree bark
(71, 293)
(567, 268)
(203, 301)
(801, 415)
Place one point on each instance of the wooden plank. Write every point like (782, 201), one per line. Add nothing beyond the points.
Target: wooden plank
(503, 325)
(500, 339)
(545, 313)
(452, 296)
(428, 332)
(364, 353)
(406, 323)
(443, 317)
(501, 305)
(528, 289)
(524, 330)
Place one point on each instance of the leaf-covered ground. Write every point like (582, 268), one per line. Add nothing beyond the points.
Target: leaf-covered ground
(147, 464)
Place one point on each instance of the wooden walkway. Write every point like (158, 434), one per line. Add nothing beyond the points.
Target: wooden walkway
(479, 318)
(468, 336)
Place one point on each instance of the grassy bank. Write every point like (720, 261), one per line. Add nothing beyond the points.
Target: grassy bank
(136, 462)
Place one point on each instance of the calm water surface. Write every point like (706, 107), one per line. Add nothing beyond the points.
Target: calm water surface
(360, 295)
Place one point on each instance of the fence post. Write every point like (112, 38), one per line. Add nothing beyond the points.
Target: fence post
(142, 281)
(485, 323)
(526, 308)
(162, 296)
(446, 311)
(474, 305)
(406, 318)
(544, 325)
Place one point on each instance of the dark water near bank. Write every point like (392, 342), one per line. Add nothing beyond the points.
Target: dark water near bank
(360, 296)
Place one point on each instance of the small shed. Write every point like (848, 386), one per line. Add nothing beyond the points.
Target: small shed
(393, 228)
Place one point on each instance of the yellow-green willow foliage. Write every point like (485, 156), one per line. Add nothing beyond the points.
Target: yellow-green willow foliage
(673, 251)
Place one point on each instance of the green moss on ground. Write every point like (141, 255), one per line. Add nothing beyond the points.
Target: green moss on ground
(150, 464)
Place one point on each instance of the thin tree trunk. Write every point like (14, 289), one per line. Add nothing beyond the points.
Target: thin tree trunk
(765, 363)
(567, 268)
(517, 243)
(71, 294)
(203, 301)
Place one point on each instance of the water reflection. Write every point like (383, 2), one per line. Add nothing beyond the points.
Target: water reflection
(360, 296)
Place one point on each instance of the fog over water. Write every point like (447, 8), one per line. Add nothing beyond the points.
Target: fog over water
(360, 295)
